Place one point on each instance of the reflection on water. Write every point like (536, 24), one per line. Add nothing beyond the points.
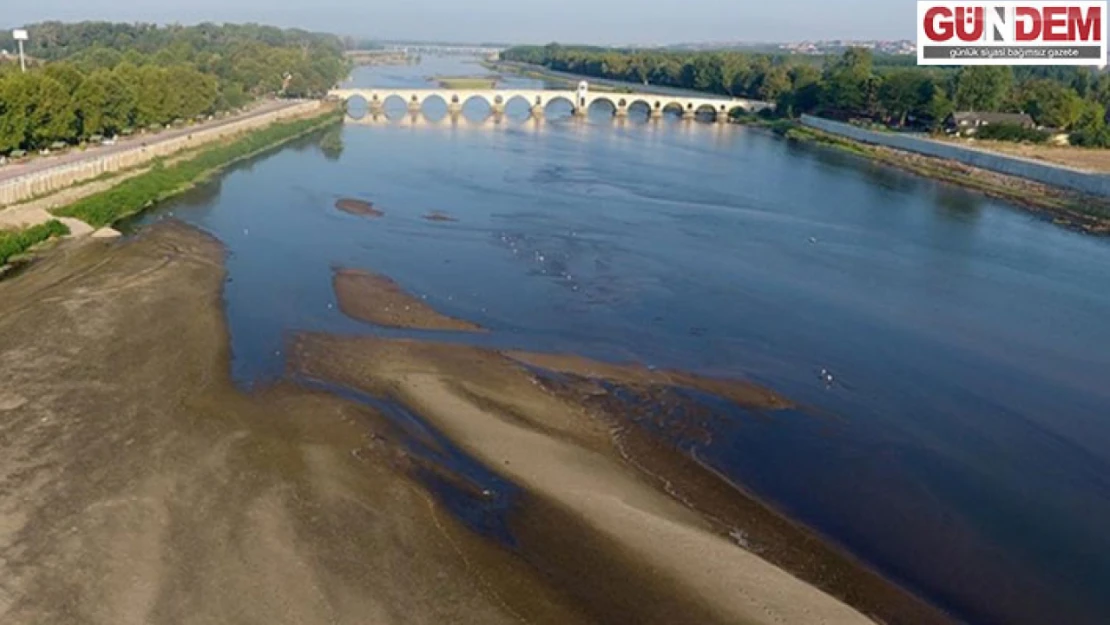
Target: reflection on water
(967, 453)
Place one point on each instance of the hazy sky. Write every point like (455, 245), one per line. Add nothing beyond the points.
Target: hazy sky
(515, 21)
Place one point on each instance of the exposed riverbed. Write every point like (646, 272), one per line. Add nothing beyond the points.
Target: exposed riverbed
(939, 357)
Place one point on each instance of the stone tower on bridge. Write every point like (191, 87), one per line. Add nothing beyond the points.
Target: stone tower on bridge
(582, 98)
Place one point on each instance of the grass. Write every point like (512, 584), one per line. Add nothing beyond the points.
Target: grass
(140, 192)
(466, 82)
(13, 242)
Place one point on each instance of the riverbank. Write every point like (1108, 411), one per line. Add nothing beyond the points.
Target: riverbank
(163, 181)
(561, 80)
(98, 204)
(1073, 209)
(185, 504)
(15, 242)
(500, 498)
(1064, 207)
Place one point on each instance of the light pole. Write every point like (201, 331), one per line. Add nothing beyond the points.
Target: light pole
(20, 36)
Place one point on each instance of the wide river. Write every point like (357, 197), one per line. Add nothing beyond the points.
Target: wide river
(963, 446)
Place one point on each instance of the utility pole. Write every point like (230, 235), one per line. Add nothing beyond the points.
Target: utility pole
(20, 36)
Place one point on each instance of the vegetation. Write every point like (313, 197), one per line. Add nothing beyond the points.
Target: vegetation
(14, 242)
(135, 194)
(857, 85)
(466, 82)
(1011, 132)
(97, 78)
(331, 144)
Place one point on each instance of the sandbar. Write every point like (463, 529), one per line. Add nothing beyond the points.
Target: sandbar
(358, 207)
(377, 299)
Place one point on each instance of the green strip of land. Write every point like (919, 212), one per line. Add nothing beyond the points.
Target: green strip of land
(467, 82)
(14, 242)
(162, 181)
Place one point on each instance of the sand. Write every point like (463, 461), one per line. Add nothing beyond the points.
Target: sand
(358, 207)
(140, 486)
(638, 376)
(583, 492)
(439, 216)
(377, 299)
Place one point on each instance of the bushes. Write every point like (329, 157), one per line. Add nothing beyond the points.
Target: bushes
(1011, 132)
(14, 242)
(135, 194)
(1091, 137)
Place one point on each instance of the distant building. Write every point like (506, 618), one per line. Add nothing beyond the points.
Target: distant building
(967, 122)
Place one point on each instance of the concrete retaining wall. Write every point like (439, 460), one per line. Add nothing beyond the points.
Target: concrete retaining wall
(49, 180)
(1054, 175)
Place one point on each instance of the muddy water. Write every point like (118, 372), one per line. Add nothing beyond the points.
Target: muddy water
(962, 447)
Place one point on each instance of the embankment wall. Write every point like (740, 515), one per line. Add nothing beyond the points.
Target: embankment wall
(1058, 176)
(47, 181)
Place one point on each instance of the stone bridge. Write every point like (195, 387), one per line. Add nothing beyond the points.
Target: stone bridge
(537, 100)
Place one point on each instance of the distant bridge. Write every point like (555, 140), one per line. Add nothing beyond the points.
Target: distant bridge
(441, 49)
(537, 100)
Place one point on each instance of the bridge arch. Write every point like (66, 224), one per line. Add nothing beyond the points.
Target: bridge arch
(735, 110)
(518, 107)
(673, 107)
(558, 105)
(639, 108)
(356, 106)
(602, 103)
(393, 105)
(476, 103)
(435, 106)
(705, 110)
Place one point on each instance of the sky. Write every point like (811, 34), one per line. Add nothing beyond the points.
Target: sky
(515, 21)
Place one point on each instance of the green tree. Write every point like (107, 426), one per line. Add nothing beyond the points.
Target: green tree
(846, 81)
(1091, 129)
(66, 74)
(939, 108)
(104, 104)
(152, 105)
(53, 118)
(734, 68)
(639, 68)
(1052, 104)
(14, 104)
(983, 87)
(774, 83)
(910, 92)
(90, 102)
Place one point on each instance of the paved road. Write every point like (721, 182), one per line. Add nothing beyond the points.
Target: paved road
(14, 170)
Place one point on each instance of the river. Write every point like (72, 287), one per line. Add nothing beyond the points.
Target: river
(963, 446)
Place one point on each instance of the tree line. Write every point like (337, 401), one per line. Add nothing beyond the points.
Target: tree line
(856, 84)
(96, 78)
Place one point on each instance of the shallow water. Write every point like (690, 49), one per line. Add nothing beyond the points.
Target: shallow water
(963, 447)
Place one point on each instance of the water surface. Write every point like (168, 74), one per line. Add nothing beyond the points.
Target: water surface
(963, 448)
